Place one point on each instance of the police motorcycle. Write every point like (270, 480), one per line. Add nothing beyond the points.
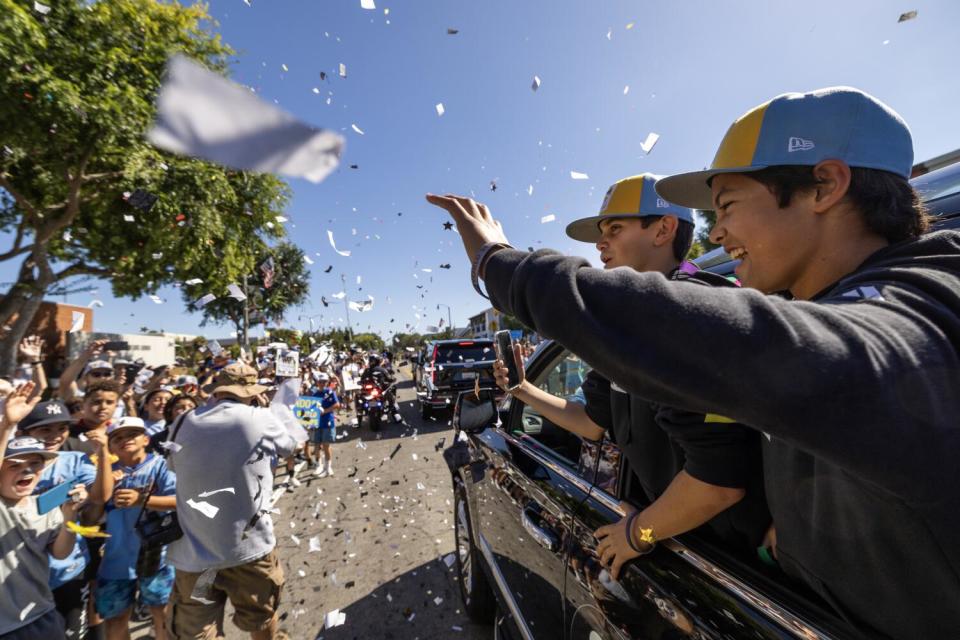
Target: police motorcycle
(377, 394)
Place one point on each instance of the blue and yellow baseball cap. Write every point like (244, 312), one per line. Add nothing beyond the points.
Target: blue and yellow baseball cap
(836, 123)
(633, 197)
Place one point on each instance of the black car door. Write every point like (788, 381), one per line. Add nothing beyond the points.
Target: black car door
(527, 499)
(686, 588)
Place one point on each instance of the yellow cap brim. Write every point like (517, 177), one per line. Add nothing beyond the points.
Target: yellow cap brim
(588, 229)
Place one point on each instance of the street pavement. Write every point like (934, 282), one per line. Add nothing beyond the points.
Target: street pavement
(374, 540)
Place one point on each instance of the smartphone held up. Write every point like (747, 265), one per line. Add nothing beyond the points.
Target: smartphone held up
(503, 343)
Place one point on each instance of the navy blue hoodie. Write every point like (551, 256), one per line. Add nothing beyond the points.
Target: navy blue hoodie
(857, 391)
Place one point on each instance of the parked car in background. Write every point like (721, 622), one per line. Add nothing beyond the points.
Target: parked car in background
(528, 496)
(449, 367)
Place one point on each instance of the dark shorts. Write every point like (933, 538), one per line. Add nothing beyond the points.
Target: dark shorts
(72, 598)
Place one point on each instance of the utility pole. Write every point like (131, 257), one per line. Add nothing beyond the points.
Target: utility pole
(346, 306)
(246, 314)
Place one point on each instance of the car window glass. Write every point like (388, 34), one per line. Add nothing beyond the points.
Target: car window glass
(606, 474)
(466, 352)
(562, 379)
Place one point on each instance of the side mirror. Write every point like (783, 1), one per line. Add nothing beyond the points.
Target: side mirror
(474, 412)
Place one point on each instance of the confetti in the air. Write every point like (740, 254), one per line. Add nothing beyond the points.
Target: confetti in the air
(909, 15)
(203, 115)
(236, 293)
(345, 254)
(647, 145)
(357, 129)
(78, 318)
(343, 70)
(576, 175)
(536, 83)
(440, 109)
(547, 218)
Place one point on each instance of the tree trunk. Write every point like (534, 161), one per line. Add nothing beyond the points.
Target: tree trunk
(23, 301)
(11, 340)
(19, 291)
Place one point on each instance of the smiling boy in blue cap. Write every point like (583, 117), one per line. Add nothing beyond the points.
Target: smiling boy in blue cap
(691, 469)
(854, 381)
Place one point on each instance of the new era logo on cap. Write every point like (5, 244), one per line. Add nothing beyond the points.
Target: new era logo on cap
(838, 123)
(799, 144)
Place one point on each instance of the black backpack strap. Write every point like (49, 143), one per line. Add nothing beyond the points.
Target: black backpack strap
(176, 426)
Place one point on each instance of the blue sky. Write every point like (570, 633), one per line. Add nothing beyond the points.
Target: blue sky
(691, 68)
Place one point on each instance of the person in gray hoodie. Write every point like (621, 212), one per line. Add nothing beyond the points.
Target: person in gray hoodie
(223, 455)
(851, 372)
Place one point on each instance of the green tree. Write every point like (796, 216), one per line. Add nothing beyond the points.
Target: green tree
(702, 236)
(401, 341)
(290, 287)
(78, 87)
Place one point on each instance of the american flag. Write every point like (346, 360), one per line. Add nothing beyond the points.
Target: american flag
(268, 272)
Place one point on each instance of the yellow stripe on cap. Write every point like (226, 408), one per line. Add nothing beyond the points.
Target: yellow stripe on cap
(740, 142)
(713, 417)
(623, 197)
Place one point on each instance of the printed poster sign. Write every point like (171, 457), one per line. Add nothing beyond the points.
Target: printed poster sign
(308, 410)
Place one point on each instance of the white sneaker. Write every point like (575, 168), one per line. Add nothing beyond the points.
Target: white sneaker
(328, 470)
(294, 481)
(320, 472)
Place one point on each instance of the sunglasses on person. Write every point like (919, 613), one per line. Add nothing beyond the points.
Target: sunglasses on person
(101, 374)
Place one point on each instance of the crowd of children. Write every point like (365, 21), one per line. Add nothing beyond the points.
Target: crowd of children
(82, 472)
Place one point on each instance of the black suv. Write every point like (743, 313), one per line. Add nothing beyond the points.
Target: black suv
(528, 496)
(449, 367)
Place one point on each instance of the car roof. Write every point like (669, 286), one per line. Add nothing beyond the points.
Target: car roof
(457, 341)
(939, 190)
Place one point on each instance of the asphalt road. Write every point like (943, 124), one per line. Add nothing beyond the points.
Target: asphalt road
(383, 524)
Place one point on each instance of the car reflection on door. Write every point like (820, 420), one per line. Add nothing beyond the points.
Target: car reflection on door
(525, 523)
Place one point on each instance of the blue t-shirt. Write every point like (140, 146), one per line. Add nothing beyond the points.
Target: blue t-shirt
(72, 467)
(328, 398)
(123, 546)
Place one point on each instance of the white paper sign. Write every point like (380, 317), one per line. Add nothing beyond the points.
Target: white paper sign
(288, 364)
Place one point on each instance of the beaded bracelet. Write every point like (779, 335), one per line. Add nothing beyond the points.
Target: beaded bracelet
(646, 535)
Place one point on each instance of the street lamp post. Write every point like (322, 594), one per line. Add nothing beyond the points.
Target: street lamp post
(449, 316)
(346, 305)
